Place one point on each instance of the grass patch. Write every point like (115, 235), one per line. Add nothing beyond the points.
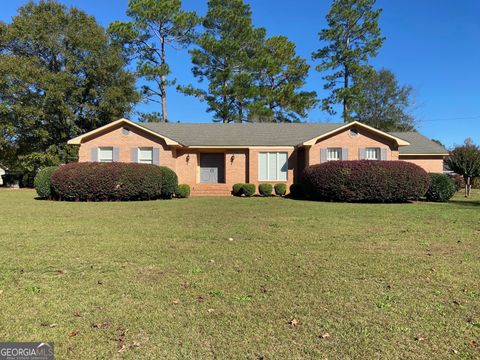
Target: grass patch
(164, 279)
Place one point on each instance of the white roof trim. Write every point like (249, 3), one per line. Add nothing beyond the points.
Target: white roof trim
(78, 140)
(399, 141)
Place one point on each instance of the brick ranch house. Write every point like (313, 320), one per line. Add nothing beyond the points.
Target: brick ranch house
(213, 157)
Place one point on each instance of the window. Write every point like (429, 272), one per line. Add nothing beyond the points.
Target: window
(272, 166)
(145, 155)
(334, 154)
(105, 154)
(372, 153)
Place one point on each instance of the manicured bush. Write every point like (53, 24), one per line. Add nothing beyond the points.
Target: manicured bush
(107, 182)
(182, 191)
(265, 189)
(237, 189)
(43, 182)
(280, 189)
(365, 181)
(441, 189)
(248, 190)
(296, 191)
(169, 182)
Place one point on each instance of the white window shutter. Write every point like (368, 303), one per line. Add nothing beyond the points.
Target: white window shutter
(116, 154)
(94, 154)
(156, 156)
(323, 155)
(383, 154)
(344, 154)
(134, 155)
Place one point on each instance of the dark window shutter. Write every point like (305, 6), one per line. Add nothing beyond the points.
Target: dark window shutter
(344, 154)
(156, 156)
(116, 154)
(323, 155)
(134, 155)
(361, 154)
(383, 154)
(94, 154)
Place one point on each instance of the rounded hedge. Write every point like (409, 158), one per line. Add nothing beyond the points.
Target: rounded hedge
(280, 189)
(297, 191)
(365, 181)
(107, 182)
(237, 189)
(265, 189)
(182, 191)
(441, 189)
(169, 182)
(43, 183)
(248, 190)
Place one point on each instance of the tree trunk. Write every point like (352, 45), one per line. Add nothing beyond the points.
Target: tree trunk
(345, 100)
(468, 186)
(163, 86)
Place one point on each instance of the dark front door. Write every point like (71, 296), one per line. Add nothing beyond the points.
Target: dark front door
(212, 168)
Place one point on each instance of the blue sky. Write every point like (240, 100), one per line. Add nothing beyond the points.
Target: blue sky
(432, 45)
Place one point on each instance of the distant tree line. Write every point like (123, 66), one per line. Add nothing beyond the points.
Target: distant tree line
(62, 74)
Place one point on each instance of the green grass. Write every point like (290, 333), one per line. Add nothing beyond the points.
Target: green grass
(234, 278)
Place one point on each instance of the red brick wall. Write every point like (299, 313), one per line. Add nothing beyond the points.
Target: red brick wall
(433, 164)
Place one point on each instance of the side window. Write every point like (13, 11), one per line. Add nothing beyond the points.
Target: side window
(105, 154)
(145, 155)
(372, 153)
(334, 154)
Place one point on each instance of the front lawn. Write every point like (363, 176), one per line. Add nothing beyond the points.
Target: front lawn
(234, 278)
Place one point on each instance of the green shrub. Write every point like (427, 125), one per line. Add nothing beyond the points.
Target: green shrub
(265, 189)
(441, 189)
(365, 181)
(107, 182)
(43, 182)
(237, 189)
(182, 191)
(249, 190)
(280, 189)
(169, 182)
(296, 191)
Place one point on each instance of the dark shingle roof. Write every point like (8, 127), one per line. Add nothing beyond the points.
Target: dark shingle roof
(271, 134)
(419, 144)
(258, 134)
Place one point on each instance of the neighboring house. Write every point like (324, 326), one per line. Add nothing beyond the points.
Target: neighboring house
(3, 171)
(213, 157)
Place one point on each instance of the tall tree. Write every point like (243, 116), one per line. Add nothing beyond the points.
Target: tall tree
(352, 37)
(59, 77)
(154, 25)
(281, 73)
(465, 160)
(383, 103)
(225, 56)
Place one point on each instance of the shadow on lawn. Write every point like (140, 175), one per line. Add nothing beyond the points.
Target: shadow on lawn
(471, 203)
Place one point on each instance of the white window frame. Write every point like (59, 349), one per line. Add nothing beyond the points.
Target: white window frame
(101, 154)
(142, 150)
(334, 150)
(378, 153)
(279, 166)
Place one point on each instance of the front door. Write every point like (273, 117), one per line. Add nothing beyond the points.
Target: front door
(212, 168)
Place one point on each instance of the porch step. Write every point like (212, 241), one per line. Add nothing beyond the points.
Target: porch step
(211, 190)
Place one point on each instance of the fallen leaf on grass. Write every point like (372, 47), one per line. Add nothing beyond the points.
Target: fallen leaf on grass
(421, 338)
(176, 301)
(46, 324)
(104, 325)
(294, 322)
(73, 333)
(121, 334)
(474, 344)
(325, 335)
(77, 314)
